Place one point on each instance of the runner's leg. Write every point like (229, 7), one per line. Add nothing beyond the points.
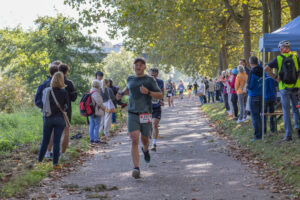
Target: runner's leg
(135, 147)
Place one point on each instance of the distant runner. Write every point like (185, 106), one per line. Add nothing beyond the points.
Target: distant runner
(189, 87)
(156, 105)
(169, 89)
(181, 89)
(141, 89)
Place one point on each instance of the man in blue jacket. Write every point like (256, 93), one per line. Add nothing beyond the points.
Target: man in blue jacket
(255, 95)
(39, 93)
(270, 100)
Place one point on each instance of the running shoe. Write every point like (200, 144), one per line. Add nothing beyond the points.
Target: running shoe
(136, 173)
(239, 121)
(47, 155)
(153, 148)
(146, 155)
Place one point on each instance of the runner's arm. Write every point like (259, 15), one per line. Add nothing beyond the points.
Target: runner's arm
(121, 94)
(156, 95)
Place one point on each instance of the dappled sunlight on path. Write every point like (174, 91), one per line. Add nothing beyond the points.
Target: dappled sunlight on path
(187, 165)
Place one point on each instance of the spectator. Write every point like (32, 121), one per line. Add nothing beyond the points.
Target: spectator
(234, 97)
(255, 94)
(240, 87)
(95, 119)
(195, 88)
(115, 91)
(206, 88)
(201, 92)
(99, 77)
(289, 84)
(107, 94)
(247, 70)
(229, 79)
(270, 100)
(55, 121)
(211, 90)
(225, 94)
(39, 93)
(72, 97)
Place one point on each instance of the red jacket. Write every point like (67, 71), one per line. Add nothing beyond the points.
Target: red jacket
(232, 85)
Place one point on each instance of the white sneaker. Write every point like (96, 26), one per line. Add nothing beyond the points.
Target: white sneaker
(238, 121)
(248, 117)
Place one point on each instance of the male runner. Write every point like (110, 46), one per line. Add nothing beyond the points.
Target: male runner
(141, 89)
(156, 106)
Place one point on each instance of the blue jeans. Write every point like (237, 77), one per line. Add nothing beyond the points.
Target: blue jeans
(270, 108)
(58, 124)
(113, 118)
(289, 95)
(256, 111)
(211, 94)
(95, 122)
(201, 99)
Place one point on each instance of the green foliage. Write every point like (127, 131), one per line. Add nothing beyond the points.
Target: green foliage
(118, 66)
(27, 54)
(12, 94)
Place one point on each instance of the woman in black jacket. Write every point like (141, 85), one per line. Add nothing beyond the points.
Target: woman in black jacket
(56, 120)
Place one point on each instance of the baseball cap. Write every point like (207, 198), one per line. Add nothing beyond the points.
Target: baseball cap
(142, 60)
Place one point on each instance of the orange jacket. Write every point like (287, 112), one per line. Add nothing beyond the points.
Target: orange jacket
(240, 82)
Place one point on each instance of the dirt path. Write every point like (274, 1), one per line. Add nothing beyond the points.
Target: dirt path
(187, 165)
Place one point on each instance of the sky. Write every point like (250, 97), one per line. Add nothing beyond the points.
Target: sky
(24, 12)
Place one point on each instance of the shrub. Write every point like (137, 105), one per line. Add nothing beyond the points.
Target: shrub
(12, 94)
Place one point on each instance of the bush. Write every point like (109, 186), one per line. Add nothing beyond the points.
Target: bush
(12, 94)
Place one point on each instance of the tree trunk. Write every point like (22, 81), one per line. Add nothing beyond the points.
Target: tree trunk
(223, 59)
(244, 23)
(294, 8)
(275, 8)
(266, 14)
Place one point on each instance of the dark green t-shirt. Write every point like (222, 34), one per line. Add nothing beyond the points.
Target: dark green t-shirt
(138, 102)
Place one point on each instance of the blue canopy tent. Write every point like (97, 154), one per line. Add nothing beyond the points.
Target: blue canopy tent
(290, 32)
(269, 43)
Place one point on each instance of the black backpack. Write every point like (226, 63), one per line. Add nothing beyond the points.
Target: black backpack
(288, 73)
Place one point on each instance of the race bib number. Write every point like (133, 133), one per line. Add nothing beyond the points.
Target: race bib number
(145, 118)
(169, 94)
(155, 101)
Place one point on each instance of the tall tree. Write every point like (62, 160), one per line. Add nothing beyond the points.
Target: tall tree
(294, 8)
(243, 20)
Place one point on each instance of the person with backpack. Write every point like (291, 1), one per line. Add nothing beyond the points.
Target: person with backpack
(98, 112)
(255, 95)
(241, 90)
(108, 97)
(287, 66)
(55, 103)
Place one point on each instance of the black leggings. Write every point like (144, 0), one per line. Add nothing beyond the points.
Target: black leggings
(234, 100)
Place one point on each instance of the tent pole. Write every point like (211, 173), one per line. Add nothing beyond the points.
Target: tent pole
(263, 95)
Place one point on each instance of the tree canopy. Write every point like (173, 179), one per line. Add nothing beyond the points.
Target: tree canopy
(195, 36)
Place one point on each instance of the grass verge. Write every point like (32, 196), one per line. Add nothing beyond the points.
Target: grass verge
(282, 157)
(19, 169)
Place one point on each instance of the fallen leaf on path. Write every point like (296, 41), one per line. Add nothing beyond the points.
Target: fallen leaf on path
(195, 189)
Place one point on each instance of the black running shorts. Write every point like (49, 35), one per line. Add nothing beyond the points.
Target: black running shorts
(156, 113)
